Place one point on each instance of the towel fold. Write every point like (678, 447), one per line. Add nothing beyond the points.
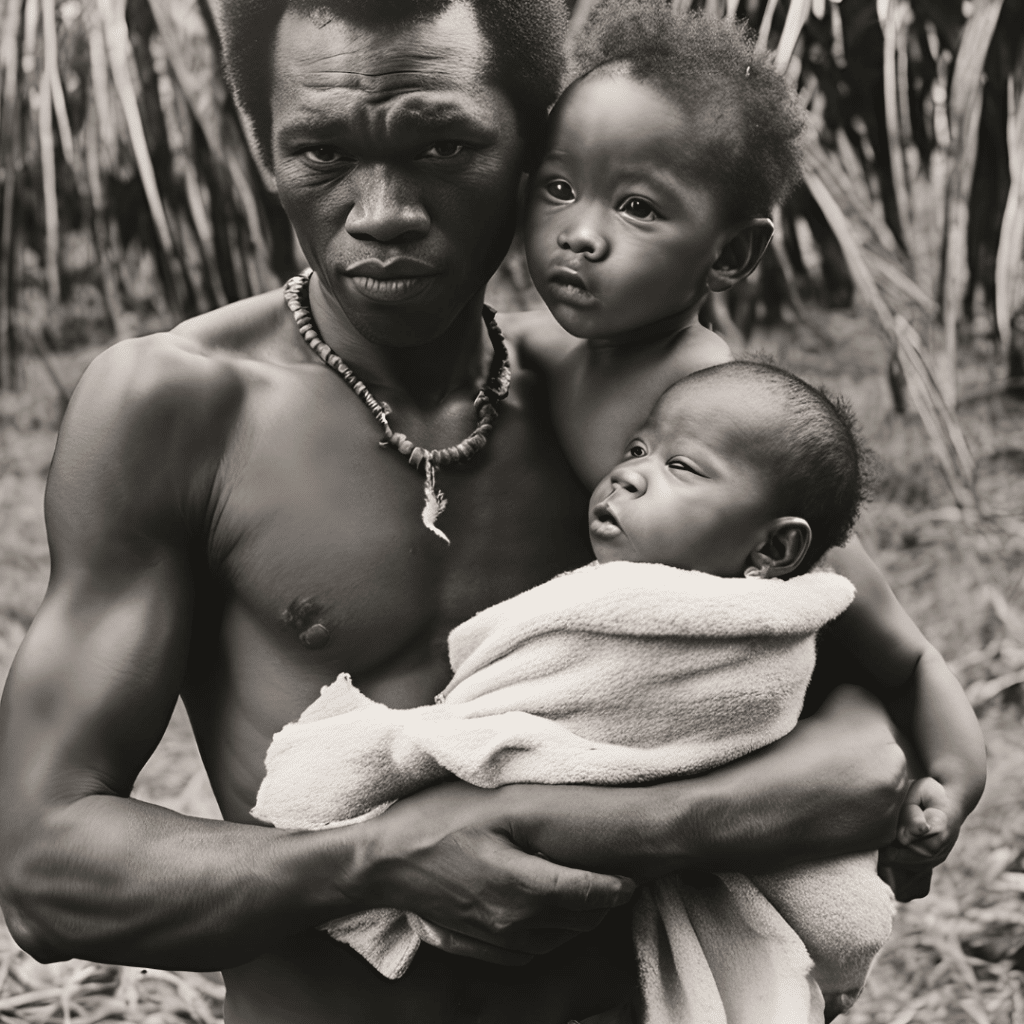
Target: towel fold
(615, 674)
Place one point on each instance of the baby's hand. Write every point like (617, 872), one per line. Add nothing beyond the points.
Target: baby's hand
(924, 818)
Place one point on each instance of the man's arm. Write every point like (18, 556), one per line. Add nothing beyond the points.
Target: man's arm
(85, 871)
(832, 786)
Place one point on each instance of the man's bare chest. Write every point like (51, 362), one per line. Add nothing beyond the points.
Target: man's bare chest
(328, 566)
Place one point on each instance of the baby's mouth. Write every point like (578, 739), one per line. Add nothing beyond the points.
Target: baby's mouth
(603, 523)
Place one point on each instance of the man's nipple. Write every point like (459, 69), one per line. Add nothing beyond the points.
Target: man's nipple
(304, 617)
(316, 636)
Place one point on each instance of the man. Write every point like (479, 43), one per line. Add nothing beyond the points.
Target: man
(224, 525)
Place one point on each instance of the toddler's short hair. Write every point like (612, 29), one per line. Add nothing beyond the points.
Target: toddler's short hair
(747, 115)
(820, 467)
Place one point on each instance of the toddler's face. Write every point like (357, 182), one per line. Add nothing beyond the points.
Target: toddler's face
(623, 224)
(689, 492)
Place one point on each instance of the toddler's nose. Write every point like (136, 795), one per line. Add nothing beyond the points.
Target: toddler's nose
(629, 479)
(584, 239)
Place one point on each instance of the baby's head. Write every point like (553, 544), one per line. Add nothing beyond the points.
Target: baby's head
(664, 159)
(742, 469)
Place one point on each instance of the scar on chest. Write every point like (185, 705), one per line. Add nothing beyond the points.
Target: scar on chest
(305, 617)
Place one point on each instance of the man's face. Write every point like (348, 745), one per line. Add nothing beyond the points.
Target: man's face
(623, 223)
(397, 163)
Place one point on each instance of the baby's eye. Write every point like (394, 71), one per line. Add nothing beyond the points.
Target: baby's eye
(636, 451)
(444, 150)
(638, 209)
(685, 466)
(560, 189)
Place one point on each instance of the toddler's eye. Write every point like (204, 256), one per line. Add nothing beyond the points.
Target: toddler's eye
(444, 150)
(638, 209)
(560, 189)
(636, 451)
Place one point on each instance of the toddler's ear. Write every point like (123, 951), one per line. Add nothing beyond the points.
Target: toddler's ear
(782, 550)
(741, 254)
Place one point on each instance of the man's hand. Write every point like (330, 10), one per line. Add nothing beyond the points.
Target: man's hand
(930, 822)
(455, 855)
(447, 854)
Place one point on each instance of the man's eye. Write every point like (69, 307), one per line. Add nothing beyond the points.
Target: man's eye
(636, 451)
(560, 189)
(638, 209)
(323, 156)
(444, 150)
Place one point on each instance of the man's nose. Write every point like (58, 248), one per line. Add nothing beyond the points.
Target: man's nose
(385, 209)
(584, 237)
(629, 479)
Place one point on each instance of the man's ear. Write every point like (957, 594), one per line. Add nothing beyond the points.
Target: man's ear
(782, 550)
(741, 254)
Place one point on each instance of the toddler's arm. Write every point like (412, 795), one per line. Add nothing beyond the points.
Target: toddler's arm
(917, 686)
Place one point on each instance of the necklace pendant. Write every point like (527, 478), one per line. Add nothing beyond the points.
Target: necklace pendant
(296, 297)
(434, 501)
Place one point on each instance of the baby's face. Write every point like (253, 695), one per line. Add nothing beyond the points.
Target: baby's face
(623, 224)
(689, 492)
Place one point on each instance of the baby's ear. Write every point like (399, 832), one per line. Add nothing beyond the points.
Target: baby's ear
(782, 550)
(741, 254)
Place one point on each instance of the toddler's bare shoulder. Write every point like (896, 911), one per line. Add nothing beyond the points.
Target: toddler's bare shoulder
(537, 338)
(697, 349)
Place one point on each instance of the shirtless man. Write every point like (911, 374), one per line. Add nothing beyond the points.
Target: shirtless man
(224, 525)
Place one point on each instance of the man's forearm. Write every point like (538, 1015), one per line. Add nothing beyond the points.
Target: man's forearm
(833, 786)
(121, 881)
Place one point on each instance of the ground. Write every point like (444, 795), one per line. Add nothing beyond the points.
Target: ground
(955, 956)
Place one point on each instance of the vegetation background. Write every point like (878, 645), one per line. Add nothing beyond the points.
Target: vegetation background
(128, 200)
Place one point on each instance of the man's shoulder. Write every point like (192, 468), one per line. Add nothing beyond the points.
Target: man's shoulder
(201, 368)
(259, 329)
(177, 395)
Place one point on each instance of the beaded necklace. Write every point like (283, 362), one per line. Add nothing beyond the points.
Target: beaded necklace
(296, 297)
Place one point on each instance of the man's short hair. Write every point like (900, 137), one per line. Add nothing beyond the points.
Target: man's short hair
(820, 468)
(525, 37)
(746, 114)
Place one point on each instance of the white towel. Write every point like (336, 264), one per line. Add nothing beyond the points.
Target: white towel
(620, 673)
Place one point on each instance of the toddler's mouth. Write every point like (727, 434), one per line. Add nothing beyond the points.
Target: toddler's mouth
(603, 523)
(569, 287)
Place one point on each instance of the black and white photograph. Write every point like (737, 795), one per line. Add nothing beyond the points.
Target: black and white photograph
(512, 511)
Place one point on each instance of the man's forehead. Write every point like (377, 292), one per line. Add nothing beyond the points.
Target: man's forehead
(446, 51)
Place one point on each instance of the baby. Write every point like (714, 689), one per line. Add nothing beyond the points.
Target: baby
(687, 644)
(664, 160)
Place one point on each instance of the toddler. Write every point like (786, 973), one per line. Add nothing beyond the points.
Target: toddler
(664, 160)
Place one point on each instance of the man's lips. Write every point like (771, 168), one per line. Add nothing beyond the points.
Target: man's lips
(568, 286)
(391, 280)
(603, 523)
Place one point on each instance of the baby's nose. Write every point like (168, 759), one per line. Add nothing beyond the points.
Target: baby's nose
(629, 479)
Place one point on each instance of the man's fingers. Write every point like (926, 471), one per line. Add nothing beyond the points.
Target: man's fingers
(577, 890)
(464, 945)
(907, 884)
